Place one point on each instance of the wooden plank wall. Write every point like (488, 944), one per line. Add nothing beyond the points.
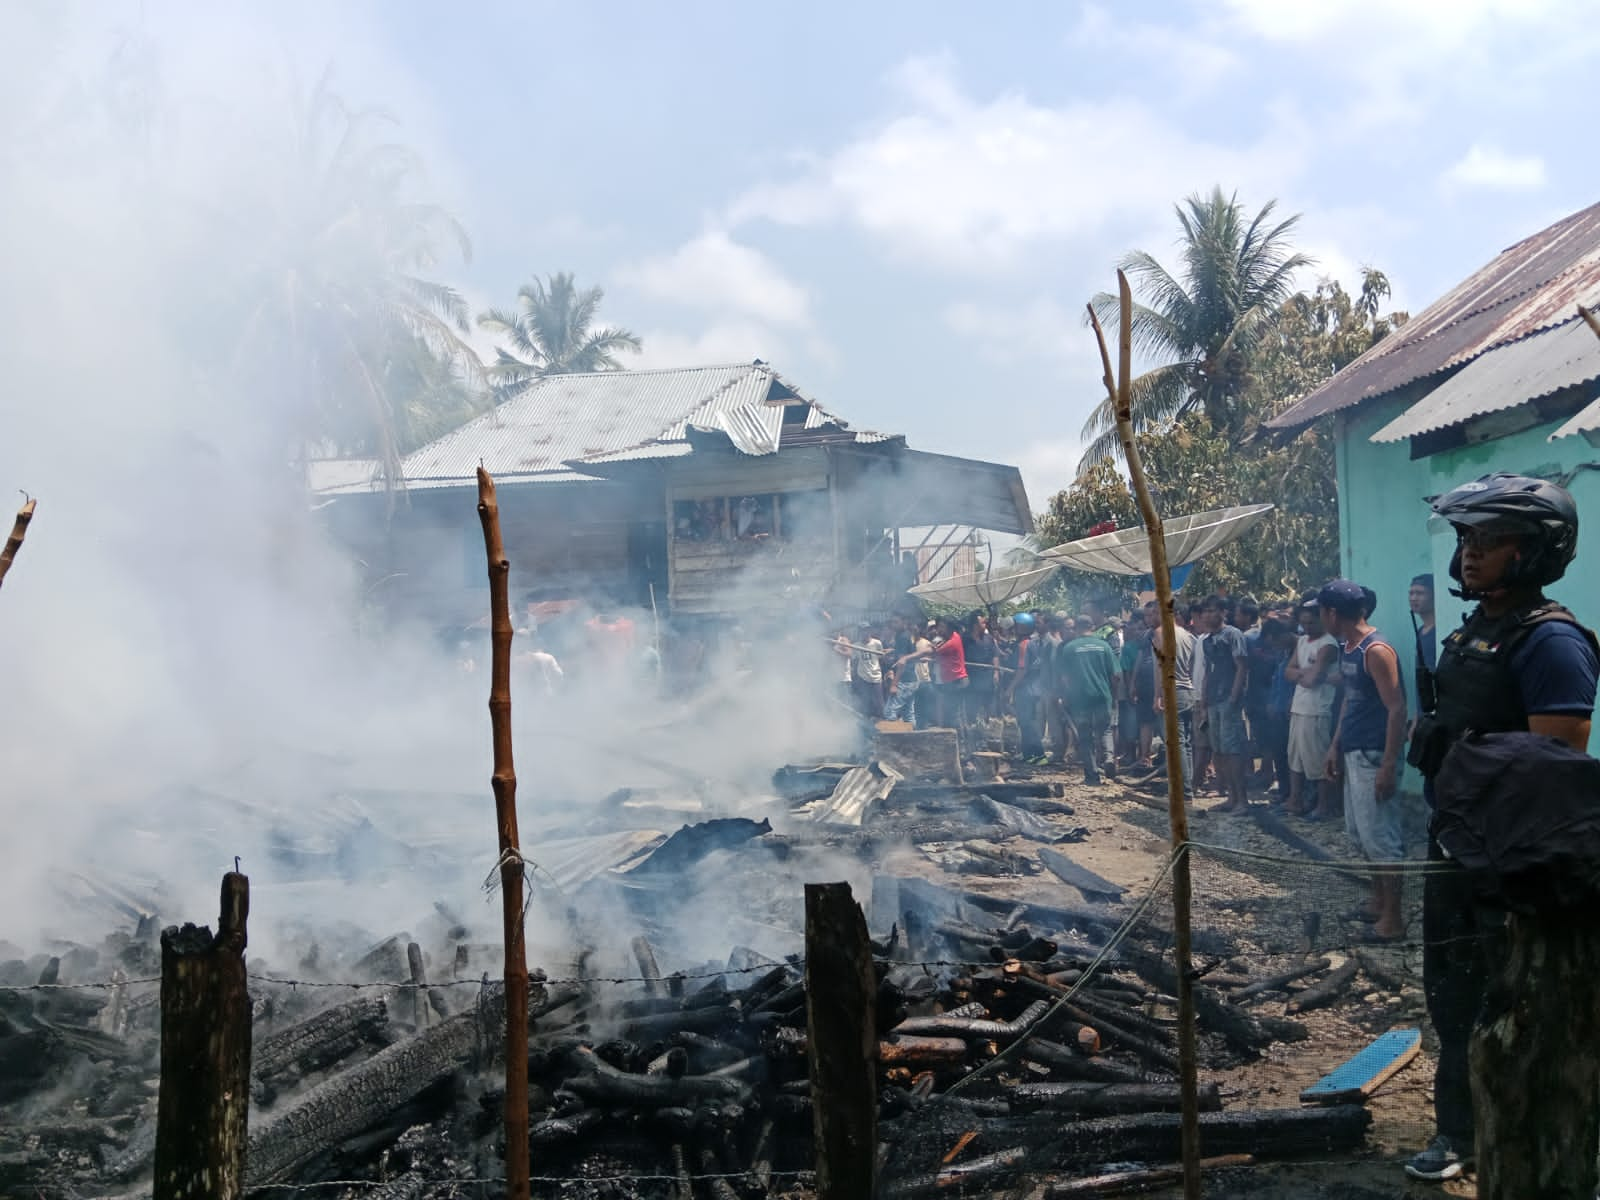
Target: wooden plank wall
(719, 576)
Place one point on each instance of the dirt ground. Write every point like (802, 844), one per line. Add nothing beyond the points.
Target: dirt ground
(1275, 909)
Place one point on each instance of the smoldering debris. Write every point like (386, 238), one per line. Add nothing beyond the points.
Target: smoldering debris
(1015, 1030)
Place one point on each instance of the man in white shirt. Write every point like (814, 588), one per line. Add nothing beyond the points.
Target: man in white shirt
(867, 668)
(1314, 671)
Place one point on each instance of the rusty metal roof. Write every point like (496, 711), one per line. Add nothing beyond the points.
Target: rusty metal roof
(1531, 286)
(1505, 377)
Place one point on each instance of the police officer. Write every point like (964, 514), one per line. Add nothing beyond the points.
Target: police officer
(1519, 662)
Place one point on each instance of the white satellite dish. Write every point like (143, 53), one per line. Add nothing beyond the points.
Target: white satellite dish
(978, 589)
(1189, 539)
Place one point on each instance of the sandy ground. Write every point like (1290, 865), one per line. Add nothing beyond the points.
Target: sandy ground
(1273, 912)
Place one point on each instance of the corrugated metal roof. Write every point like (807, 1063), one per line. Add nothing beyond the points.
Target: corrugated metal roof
(1526, 288)
(1503, 378)
(564, 417)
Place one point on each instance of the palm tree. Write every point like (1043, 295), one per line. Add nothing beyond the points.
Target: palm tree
(1237, 273)
(344, 321)
(552, 334)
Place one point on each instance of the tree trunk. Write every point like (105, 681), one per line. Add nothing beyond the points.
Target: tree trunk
(842, 1046)
(205, 1055)
(1536, 1064)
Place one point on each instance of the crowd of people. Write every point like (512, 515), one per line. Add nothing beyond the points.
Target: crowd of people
(1259, 689)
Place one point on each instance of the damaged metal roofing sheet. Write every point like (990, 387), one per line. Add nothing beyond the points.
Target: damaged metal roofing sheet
(1531, 286)
(1504, 378)
(564, 417)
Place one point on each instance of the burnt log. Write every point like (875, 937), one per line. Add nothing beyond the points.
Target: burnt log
(1140, 1179)
(564, 1130)
(318, 1043)
(1326, 991)
(1106, 1098)
(905, 1050)
(1053, 1144)
(1064, 1061)
(950, 1025)
(356, 1098)
(599, 1081)
(1280, 981)
(1238, 1028)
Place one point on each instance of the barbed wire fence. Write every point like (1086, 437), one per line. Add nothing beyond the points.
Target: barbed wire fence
(1291, 980)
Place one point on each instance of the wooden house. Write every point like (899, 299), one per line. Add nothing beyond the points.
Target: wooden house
(703, 491)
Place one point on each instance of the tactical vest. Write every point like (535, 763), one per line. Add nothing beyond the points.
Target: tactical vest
(1476, 689)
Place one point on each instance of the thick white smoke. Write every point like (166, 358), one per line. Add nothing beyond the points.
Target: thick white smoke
(180, 676)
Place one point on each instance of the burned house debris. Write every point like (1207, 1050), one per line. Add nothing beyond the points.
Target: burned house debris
(1021, 1004)
(701, 492)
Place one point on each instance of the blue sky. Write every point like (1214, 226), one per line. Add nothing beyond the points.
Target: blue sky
(905, 206)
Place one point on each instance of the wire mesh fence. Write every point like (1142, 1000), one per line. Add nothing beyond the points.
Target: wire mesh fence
(1027, 1045)
(1075, 1088)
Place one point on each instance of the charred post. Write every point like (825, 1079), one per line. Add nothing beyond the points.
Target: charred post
(504, 783)
(843, 1043)
(205, 1055)
(1536, 1066)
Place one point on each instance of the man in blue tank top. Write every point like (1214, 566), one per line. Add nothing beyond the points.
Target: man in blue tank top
(1367, 741)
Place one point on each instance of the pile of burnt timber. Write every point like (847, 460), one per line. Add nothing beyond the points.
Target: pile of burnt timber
(698, 1081)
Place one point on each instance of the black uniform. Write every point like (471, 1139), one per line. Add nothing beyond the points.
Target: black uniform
(1490, 676)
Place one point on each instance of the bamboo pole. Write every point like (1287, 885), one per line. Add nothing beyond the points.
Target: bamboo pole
(1590, 319)
(19, 530)
(1120, 389)
(504, 782)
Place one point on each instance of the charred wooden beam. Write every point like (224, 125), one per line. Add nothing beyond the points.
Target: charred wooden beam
(843, 1041)
(1326, 991)
(362, 1095)
(1106, 1098)
(597, 1080)
(318, 1042)
(1280, 981)
(949, 1025)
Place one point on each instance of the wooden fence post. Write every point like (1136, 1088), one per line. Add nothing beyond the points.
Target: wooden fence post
(1119, 389)
(842, 1044)
(504, 784)
(205, 1055)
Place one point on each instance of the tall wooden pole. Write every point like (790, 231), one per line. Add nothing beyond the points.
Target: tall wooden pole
(1120, 390)
(841, 1043)
(201, 1115)
(504, 782)
(19, 530)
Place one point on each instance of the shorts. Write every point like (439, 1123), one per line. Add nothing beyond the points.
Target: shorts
(1309, 739)
(1373, 825)
(1226, 719)
(1199, 731)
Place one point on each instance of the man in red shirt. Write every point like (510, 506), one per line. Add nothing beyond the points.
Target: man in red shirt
(949, 672)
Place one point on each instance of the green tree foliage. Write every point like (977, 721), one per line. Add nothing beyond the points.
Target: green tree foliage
(552, 332)
(342, 312)
(1202, 324)
(1194, 467)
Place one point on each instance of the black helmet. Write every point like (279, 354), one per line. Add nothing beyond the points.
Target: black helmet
(1537, 511)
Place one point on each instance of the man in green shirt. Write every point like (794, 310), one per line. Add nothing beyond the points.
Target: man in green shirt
(1089, 676)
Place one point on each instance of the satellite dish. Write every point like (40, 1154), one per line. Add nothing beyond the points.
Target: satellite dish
(1189, 539)
(978, 589)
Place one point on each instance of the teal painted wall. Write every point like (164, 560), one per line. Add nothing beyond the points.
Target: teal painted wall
(1383, 517)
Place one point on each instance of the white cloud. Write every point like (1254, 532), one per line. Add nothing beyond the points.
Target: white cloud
(975, 184)
(1043, 329)
(1436, 22)
(1047, 467)
(714, 273)
(1186, 60)
(1492, 168)
(721, 342)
